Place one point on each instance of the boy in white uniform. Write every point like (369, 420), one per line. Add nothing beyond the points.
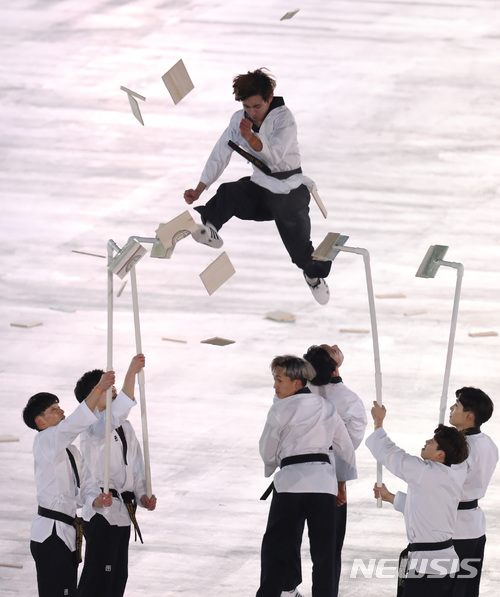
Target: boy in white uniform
(63, 484)
(472, 408)
(326, 361)
(107, 533)
(430, 507)
(267, 130)
(300, 430)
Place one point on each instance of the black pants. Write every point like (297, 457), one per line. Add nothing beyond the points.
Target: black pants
(249, 201)
(56, 567)
(105, 570)
(293, 577)
(283, 537)
(471, 571)
(427, 586)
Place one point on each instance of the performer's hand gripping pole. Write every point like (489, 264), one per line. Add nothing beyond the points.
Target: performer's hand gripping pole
(432, 261)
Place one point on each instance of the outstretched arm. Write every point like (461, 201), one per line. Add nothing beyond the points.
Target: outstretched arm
(136, 364)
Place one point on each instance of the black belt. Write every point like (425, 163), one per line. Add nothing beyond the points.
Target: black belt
(261, 165)
(430, 546)
(296, 460)
(304, 458)
(76, 522)
(468, 505)
(128, 498)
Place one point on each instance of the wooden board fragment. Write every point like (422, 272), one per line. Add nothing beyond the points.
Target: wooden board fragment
(353, 331)
(172, 232)
(319, 203)
(26, 325)
(85, 253)
(8, 565)
(122, 288)
(290, 14)
(63, 309)
(391, 295)
(482, 334)
(132, 95)
(8, 438)
(175, 340)
(178, 82)
(416, 312)
(217, 341)
(280, 316)
(217, 273)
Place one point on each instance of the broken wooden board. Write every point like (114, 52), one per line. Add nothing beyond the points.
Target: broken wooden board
(174, 340)
(8, 438)
(217, 273)
(132, 95)
(217, 341)
(280, 316)
(482, 334)
(86, 253)
(353, 331)
(172, 232)
(393, 295)
(290, 14)
(26, 325)
(178, 82)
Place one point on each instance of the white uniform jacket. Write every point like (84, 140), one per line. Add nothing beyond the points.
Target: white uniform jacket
(56, 487)
(481, 464)
(306, 423)
(280, 149)
(130, 477)
(429, 507)
(349, 406)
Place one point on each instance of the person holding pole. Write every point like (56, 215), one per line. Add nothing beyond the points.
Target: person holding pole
(472, 408)
(300, 431)
(430, 507)
(266, 130)
(105, 569)
(63, 483)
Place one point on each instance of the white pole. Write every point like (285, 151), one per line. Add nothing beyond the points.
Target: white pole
(376, 351)
(444, 395)
(142, 392)
(109, 367)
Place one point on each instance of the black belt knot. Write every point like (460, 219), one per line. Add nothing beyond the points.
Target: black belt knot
(128, 498)
(76, 522)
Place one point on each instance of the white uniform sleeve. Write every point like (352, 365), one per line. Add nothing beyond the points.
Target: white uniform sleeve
(89, 489)
(343, 450)
(120, 410)
(399, 501)
(356, 421)
(397, 461)
(268, 444)
(221, 153)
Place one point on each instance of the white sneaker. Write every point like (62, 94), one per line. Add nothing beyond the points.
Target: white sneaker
(207, 235)
(319, 289)
(293, 593)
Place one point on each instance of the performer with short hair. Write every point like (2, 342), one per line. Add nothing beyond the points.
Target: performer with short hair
(107, 533)
(63, 483)
(298, 437)
(472, 408)
(266, 129)
(328, 383)
(430, 510)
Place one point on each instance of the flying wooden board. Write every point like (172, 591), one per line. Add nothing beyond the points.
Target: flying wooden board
(178, 82)
(132, 95)
(217, 273)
